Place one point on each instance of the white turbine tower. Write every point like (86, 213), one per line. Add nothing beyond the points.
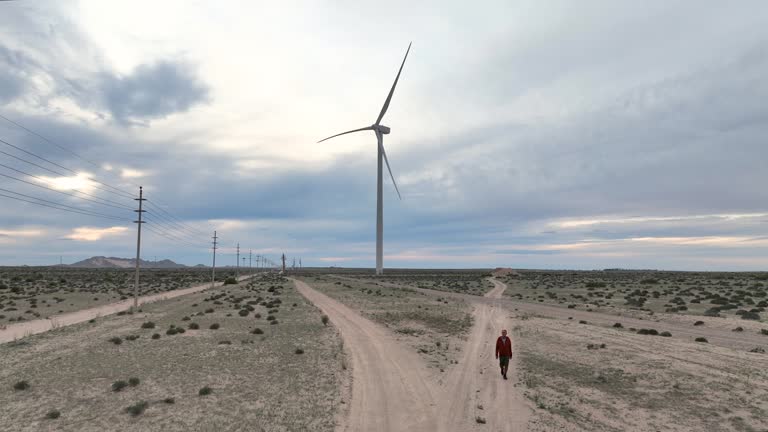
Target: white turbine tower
(380, 131)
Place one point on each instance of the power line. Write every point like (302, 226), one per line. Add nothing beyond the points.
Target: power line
(60, 174)
(56, 190)
(169, 227)
(119, 191)
(173, 236)
(178, 221)
(47, 140)
(63, 167)
(58, 206)
(170, 218)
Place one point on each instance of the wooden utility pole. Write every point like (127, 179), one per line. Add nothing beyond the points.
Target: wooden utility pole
(237, 263)
(213, 270)
(141, 200)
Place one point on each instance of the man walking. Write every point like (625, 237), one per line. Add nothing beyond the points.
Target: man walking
(503, 352)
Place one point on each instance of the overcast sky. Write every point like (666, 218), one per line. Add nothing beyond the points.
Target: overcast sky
(529, 134)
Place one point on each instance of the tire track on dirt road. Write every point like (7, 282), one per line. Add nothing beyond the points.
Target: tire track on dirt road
(476, 382)
(390, 391)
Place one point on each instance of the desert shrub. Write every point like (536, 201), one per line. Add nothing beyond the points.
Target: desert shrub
(712, 312)
(480, 420)
(156, 336)
(214, 326)
(649, 281)
(172, 331)
(257, 331)
(764, 332)
(119, 385)
(225, 342)
(758, 350)
(583, 322)
(618, 325)
(595, 285)
(209, 310)
(751, 316)
(137, 409)
(131, 337)
(169, 400)
(205, 391)
(665, 334)
(738, 329)
(299, 351)
(116, 340)
(148, 325)
(699, 323)
(701, 339)
(21, 385)
(651, 332)
(275, 322)
(133, 381)
(194, 326)
(230, 281)
(53, 414)
(324, 319)
(243, 312)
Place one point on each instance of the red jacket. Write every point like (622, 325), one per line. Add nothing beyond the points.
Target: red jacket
(504, 348)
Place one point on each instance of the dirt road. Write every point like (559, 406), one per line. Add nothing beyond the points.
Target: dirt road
(475, 390)
(390, 391)
(27, 328)
(682, 330)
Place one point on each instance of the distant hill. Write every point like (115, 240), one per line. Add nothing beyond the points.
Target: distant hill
(113, 262)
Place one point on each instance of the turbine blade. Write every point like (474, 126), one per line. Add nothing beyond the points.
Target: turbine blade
(389, 97)
(390, 170)
(347, 132)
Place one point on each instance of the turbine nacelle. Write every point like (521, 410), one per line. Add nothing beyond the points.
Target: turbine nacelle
(381, 128)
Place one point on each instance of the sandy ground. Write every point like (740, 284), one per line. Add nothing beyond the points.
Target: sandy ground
(718, 331)
(390, 391)
(393, 391)
(260, 383)
(26, 328)
(476, 389)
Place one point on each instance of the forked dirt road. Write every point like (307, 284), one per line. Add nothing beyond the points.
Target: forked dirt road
(27, 328)
(475, 388)
(391, 390)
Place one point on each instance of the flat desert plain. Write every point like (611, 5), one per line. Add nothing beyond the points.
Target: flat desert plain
(332, 349)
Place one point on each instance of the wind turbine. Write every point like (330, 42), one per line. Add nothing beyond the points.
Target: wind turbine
(380, 131)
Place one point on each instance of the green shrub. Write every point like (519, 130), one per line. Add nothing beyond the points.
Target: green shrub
(214, 326)
(53, 414)
(133, 382)
(324, 319)
(194, 326)
(205, 391)
(21, 385)
(119, 385)
(257, 331)
(156, 336)
(701, 339)
(116, 340)
(148, 325)
(299, 351)
(137, 408)
(230, 281)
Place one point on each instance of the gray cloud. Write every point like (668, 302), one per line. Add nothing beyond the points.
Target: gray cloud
(153, 91)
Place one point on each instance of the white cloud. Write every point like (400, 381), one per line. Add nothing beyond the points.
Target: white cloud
(94, 234)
